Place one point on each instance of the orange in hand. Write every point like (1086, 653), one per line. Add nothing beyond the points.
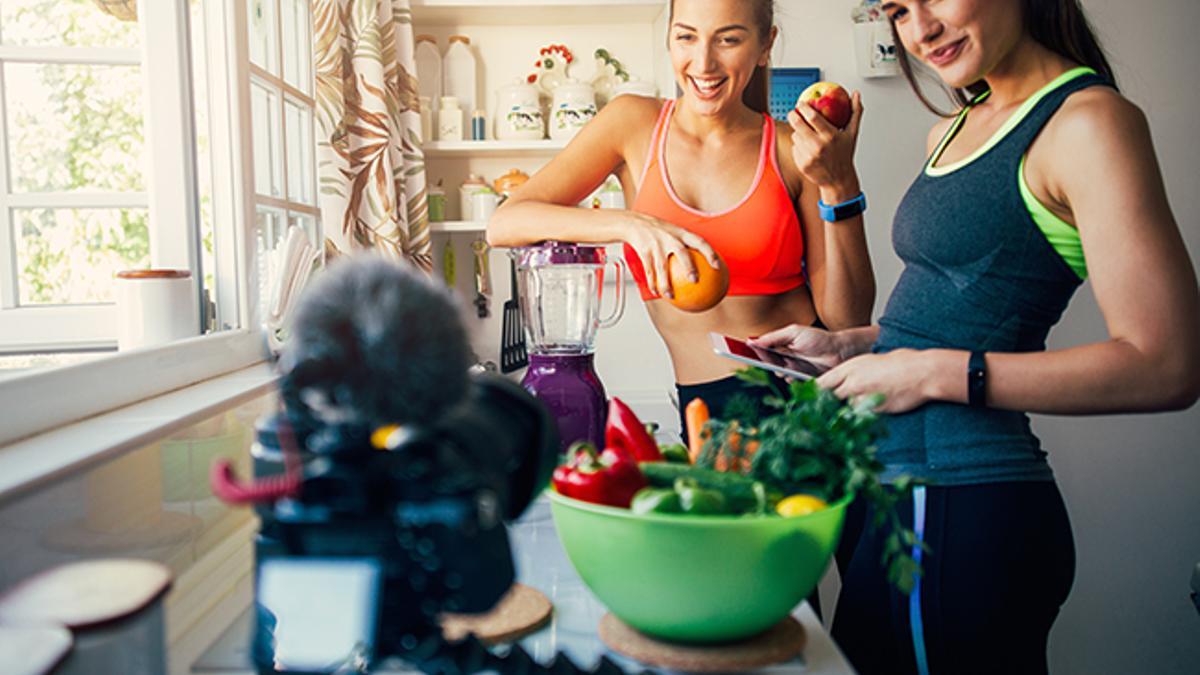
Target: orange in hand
(704, 293)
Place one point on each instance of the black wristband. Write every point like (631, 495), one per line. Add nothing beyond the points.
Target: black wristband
(977, 380)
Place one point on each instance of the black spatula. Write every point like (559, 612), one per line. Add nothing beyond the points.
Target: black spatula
(512, 331)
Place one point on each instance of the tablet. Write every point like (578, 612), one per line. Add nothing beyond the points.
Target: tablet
(790, 365)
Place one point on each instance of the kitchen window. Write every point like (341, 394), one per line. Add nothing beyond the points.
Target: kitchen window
(206, 174)
(97, 176)
(74, 207)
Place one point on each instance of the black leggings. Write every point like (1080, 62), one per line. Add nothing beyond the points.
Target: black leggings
(718, 393)
(1002, 564)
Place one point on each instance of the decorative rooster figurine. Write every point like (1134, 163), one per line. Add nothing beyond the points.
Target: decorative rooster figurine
(552, 65)
(609, 73)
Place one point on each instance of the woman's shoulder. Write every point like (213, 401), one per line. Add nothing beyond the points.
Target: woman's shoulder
(1094, 127)
(784, 142)
(1097, 110)
(625, 126)
(1095, 124)
(633, 109)
(937, 133)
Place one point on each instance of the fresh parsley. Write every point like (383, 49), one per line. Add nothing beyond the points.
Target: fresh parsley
(813, 442)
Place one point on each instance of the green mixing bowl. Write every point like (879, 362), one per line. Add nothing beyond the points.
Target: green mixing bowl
(697, 578)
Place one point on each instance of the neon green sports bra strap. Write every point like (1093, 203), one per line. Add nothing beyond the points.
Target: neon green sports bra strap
(954, 128)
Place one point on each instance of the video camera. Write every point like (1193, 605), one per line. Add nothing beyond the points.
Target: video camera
(385, 483)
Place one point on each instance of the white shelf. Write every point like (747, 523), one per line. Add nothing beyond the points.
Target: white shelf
(534, 12)
(459, 226)
(495, 148)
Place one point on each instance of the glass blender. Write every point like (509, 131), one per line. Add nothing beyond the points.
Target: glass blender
(559, 286)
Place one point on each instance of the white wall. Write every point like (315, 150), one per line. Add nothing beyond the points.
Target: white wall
(1132, 483)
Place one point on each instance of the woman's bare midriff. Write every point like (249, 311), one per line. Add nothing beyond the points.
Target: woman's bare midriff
(740, 316)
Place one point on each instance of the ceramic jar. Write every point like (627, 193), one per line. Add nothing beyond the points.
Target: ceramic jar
(466, 193)
(508, 183)
(574, 106)
(519, 113)
(450, 120)
(155, 307)
(436, 202)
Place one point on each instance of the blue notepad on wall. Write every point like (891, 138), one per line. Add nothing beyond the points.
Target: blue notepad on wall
(786, 85)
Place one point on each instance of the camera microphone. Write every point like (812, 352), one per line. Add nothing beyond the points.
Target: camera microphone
(372, 343)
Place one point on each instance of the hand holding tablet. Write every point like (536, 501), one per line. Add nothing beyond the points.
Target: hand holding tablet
(785, 363)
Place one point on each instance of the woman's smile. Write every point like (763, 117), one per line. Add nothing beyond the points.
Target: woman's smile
(707, 88)
(946, 54)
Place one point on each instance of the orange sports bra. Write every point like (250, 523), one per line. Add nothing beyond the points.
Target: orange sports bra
(759, 238)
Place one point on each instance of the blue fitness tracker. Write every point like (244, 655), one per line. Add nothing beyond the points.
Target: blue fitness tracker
(847, 209)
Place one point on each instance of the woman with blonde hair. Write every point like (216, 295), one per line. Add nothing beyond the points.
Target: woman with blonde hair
(712, 171)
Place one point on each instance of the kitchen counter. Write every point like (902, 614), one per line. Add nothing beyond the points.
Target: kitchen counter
(542, 564)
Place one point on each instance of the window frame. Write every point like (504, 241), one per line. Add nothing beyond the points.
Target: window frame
(239, 255)
(54, 397)
(255, 74)
(72, 326)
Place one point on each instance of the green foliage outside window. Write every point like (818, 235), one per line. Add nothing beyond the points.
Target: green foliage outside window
(73, 128)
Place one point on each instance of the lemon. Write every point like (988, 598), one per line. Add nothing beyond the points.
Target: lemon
(800, 505)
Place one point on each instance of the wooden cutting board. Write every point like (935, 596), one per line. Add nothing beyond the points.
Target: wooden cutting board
(523, 610)
(783, 642)
(84, 594)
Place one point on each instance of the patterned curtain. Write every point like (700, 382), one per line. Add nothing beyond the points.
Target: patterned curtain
(371, 167)
(125, 10)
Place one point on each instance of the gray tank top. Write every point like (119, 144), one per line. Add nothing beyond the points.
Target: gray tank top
(978, 274)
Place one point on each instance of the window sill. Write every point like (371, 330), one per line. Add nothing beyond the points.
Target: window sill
(46, 457)
(36, 402)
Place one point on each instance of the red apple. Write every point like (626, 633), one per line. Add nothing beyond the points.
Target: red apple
(829, 99)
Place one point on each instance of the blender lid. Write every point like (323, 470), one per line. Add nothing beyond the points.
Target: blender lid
(560, 253)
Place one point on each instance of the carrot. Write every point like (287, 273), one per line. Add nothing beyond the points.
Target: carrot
(696, 414)
(736, 453)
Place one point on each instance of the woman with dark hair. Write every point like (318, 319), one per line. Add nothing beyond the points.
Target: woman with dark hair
(1045, 177)
(712, 171)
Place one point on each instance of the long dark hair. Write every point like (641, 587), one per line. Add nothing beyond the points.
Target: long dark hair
(758, 90)
(1058, 25)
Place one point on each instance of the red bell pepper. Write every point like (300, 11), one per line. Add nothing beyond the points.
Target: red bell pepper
(627, 432)
(610, 478)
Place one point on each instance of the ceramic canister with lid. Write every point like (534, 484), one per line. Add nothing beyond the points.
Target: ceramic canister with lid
(508, 183)
(450, 120)
(466, 195)
(574, 106)
(154, 307)
(436, 197)
(519, 113)
(483, 204)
